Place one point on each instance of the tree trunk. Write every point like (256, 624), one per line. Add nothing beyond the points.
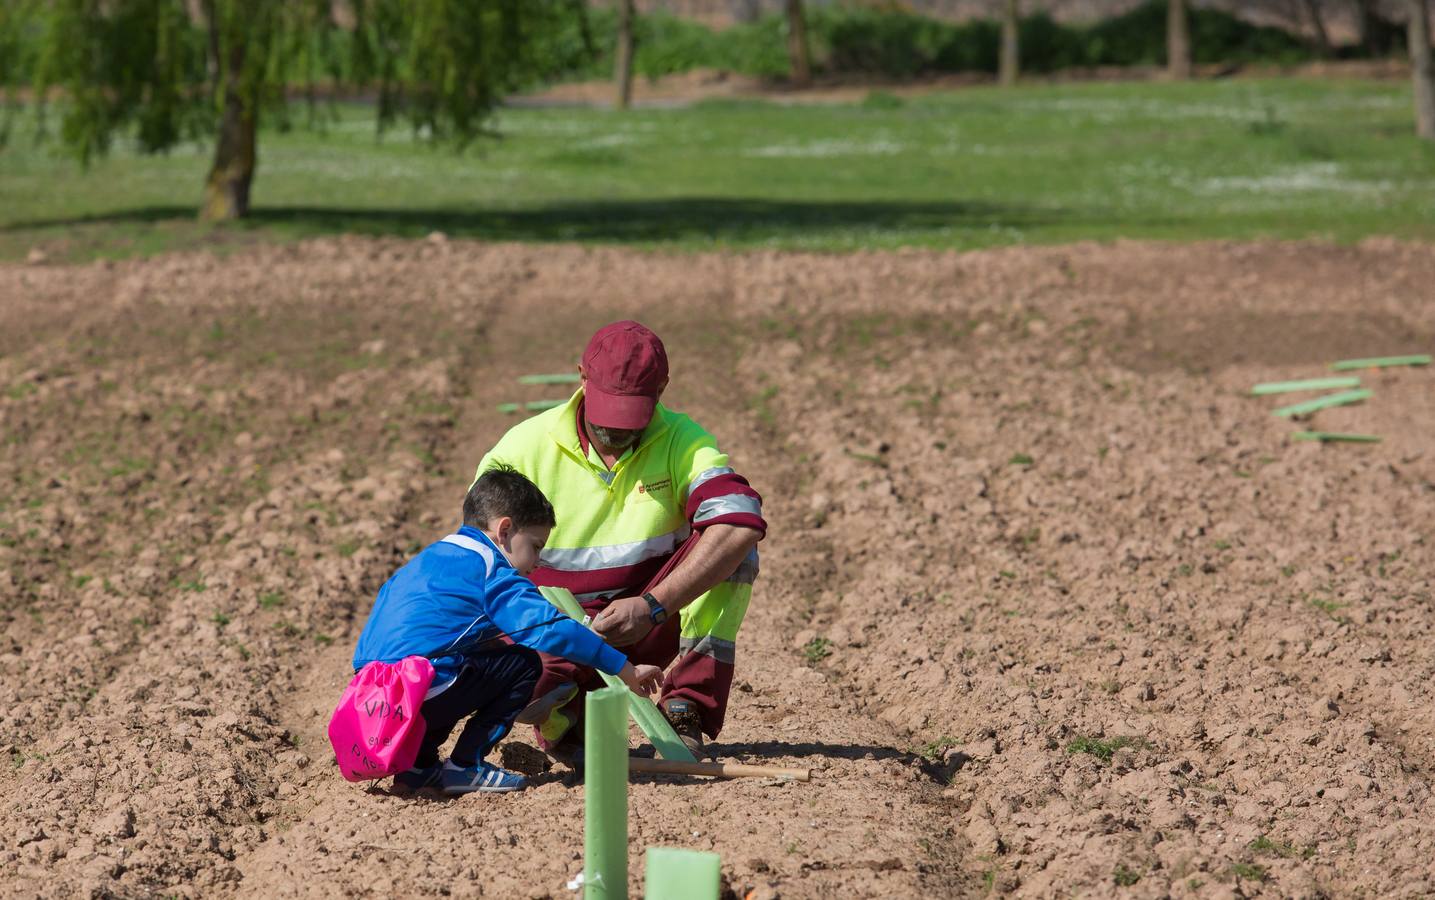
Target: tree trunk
(1422, 69)
(1317, 22)
(1365, 26)
(1178, 40)
(798, 54)
(746, 10)
(623, 58)
(1010, 65)
(226, 191)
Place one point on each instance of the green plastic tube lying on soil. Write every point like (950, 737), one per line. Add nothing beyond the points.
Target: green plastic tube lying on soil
(1336, 436)
(1380, 362)
(644, 712)
(531, 405)
(605, 794)
(1310, 384)
(560, 378)
(1329, 400)
(673, 874)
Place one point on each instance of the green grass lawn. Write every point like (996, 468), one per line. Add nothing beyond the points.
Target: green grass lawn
(963, 169)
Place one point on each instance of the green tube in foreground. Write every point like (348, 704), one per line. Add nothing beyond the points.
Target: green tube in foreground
(673, 874)
(605, 801)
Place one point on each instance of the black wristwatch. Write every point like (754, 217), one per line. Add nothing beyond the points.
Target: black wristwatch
(659, 614)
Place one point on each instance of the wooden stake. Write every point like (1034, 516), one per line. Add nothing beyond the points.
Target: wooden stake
(715, 769)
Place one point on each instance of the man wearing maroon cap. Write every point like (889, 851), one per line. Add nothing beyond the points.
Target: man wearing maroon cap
(656, 535)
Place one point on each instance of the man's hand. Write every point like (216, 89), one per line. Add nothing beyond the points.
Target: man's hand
(625, 621)
(641, 679)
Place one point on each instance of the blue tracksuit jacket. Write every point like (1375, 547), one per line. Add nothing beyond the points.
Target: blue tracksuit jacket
(460, 592)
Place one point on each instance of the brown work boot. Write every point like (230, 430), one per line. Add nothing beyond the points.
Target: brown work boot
(685, 721)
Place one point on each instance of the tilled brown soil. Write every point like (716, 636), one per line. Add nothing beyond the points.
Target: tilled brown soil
(1049, 606)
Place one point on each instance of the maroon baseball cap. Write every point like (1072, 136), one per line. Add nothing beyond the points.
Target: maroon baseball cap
(626, 368)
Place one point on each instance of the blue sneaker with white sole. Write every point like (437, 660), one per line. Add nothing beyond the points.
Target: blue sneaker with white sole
(482, 778)
(411, 781)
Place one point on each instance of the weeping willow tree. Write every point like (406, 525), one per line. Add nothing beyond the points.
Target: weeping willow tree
(169, 71)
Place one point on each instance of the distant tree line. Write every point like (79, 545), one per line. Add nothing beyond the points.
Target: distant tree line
(169, 71)
(892, 43)
(868, 40)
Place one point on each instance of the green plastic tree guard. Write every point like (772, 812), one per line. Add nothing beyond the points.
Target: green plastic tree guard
(1381, 362)
(673, 874)
(654, 726)
(560, 378)
(1329, 400)
(1325, 436)
(1309, 384)
(605, 795)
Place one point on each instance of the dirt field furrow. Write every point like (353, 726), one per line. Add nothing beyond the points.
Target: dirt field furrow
(1049, 604)
(768, 833)
(1151, 641)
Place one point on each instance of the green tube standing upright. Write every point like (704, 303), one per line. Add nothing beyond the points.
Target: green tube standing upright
(676, 874)
(605, 801)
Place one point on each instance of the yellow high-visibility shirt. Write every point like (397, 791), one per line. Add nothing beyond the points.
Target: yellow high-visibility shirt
(616, 527)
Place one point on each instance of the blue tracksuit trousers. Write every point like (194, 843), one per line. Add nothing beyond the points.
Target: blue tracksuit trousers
(492, 688)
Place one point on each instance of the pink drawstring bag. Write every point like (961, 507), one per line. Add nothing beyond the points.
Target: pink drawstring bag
(376, 729)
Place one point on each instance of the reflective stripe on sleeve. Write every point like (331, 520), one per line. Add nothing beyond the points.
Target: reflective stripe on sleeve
(726, 505)
(746, 572)
(708, 475)
(611, 556)
(717, 648)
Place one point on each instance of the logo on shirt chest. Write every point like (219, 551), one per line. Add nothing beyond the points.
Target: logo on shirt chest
(656, 487)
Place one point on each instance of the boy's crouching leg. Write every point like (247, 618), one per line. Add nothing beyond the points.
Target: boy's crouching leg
(497, 685)
(503, 682)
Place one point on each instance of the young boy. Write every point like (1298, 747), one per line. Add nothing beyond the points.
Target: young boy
(452, 604)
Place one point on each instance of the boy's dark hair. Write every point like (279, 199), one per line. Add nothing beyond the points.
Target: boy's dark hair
(504, 491)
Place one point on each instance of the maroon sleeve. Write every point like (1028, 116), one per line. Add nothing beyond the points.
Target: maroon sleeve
(726, 500)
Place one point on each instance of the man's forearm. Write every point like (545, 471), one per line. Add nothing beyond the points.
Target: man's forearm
(719, 551)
